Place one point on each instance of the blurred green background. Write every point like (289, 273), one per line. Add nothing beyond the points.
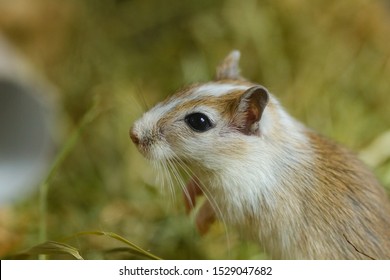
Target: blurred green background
(327, 61)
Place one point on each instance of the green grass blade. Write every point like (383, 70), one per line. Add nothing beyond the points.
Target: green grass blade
(115, 236)
(90, 115)
(51, 248)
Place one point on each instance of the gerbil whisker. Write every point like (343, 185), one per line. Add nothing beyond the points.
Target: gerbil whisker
(206, 193)
(163, 178)
(160, 175)
(141, 97)
(168, 175)
(168, 172)
(175, 174)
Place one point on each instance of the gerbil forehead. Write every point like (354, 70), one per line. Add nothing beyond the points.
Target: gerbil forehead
(210, 97)
(217, 89)
(207, 97)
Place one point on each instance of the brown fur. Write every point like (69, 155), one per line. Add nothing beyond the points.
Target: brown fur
(348, 200)
(331, 208)
(323, 204)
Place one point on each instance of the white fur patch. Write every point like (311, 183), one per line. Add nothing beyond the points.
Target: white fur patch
(215, 89)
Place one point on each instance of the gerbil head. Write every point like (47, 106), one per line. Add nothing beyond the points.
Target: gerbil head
(204, 124)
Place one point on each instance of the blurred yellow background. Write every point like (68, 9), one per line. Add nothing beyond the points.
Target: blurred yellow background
(327, 61)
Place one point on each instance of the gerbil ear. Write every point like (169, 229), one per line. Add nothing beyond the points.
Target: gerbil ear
(249, 110)
(229, 68)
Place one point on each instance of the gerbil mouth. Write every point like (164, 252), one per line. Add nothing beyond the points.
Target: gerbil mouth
(142, 143)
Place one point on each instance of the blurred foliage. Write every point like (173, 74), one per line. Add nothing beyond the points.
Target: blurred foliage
(327, 60)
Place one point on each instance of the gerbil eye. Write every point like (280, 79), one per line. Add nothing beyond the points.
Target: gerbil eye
(198, 122)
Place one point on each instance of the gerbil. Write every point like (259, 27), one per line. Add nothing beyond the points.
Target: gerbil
(299, 194)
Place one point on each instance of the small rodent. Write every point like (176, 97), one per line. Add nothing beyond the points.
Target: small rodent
(299, 194)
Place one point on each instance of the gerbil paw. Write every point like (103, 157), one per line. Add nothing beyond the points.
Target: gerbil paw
(190, 193)
(206, 215)
(205, 218)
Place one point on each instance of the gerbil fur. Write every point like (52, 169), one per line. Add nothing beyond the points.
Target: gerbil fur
(299, 194)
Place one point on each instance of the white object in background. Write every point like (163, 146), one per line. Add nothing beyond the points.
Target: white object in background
(26, 126)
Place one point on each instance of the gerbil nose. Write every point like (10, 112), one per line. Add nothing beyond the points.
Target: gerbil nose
(133, 136)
